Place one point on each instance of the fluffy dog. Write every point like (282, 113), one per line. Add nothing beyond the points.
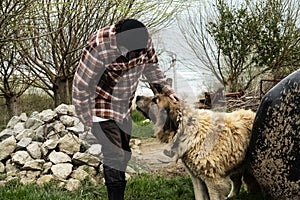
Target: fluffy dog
(212, 145)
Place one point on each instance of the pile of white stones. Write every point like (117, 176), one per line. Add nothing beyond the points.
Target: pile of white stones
(50, 145)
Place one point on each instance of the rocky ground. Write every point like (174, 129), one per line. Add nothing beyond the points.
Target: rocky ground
(147, 156)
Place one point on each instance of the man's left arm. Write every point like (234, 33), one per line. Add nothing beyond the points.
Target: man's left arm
(156, 77)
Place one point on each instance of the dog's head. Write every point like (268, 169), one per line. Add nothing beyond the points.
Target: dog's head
(163, 112)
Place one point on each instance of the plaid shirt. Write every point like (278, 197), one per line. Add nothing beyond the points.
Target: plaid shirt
(105, 81)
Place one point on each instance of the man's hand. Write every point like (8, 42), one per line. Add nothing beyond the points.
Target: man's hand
(175, 97)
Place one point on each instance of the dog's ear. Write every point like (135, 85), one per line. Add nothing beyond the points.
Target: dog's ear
(175, 116)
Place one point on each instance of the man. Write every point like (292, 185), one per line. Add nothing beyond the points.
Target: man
(104, 86)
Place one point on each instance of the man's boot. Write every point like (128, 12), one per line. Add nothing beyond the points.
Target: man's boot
(115, 183)
(116, 191)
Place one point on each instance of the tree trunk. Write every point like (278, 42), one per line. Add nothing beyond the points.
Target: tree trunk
(232, 83)
(11, 106)
(62, 91)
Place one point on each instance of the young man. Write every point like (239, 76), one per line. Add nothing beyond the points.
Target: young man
(103, 89)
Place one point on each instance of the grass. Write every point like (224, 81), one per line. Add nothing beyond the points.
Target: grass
(142, 186)
(14, 190)
(151, 187)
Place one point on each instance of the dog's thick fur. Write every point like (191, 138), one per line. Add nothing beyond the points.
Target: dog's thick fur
(212, 145)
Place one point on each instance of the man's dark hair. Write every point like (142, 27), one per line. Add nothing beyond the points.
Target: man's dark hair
(132, 34)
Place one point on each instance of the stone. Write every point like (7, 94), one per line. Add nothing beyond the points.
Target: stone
(127, 176)
(89, 169)
(11, 169)
(47, 167)
(32, 174)
(40, 134)
(130, 170)
(59, 127)
(47, 115)
(95, 150)
(6, 133)
(2, 167)
(69, 144)
(23, 117)
(3, 183)
(34, 114)
(77, 128)
(68, 121)
(44, 179)
(61, 184)
(50, 144)
(33, 123)
(29, 177)
(88, 138)
(21, 157)
(22, 174)
(19, 127)
(86, 158)
(64, 109)
(7, 147)
(79, 174)
(56, 126)
(62, 170)
(12, 122)
(23, 143)
(34, 149)
(72, 184)
(47, 146)
(53, 135)
(59, 157)
(24, 180)
(25, 133)
(44, 150)
(36, 164)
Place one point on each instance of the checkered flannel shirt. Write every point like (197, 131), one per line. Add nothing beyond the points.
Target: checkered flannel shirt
(105, 81)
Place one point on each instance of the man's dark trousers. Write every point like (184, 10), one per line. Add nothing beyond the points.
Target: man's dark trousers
(114, 138)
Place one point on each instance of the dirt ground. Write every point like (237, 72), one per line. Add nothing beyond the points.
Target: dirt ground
(148, 156)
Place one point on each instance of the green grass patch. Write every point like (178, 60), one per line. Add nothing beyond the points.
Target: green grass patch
(159, 187)
(14, 190)
(141, 127)
(143, 186)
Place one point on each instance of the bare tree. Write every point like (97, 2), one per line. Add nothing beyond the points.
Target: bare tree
(12, 13)
(13, 77)
(238, 43)
(62, 29)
